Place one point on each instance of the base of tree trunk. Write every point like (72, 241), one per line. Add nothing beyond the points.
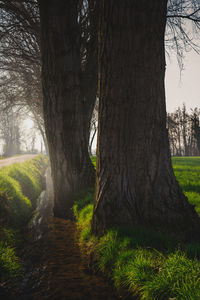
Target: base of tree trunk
(182, 222)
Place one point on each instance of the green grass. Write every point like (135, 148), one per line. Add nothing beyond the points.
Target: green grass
(187, 171)
(93, 159)
(178, 278)
(29, 175)
(149, 264)
(20, 185)
(10, 264)
(14, 205)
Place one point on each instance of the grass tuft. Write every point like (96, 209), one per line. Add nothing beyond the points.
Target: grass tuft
(177, 275)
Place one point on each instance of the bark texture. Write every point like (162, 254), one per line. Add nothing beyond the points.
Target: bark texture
(135, 183)
(63, 102)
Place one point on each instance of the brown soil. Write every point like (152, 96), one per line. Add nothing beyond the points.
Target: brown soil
(65, 276)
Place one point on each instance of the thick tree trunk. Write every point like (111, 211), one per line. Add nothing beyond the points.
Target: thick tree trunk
(63, 103)
(135, 180)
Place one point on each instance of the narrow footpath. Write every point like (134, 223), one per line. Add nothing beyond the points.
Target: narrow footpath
(15, 159)
(65, 276)
(54, 267)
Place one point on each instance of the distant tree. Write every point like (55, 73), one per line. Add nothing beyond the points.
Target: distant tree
(20, 92)
(30, 139)
(135, 183)
(10, 132)
(195, 118)
(184, 122)
(174, 134)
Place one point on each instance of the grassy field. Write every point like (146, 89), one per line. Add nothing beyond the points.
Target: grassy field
(187, 171)
(20, 185)
(148, 264)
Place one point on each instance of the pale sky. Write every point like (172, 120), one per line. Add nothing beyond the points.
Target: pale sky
(185, 88)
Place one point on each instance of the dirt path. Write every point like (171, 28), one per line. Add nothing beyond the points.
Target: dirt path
(65, 276)
(16, 159)
(55, 268)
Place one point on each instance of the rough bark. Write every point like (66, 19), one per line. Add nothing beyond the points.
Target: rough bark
(63, 102)
(135, 181)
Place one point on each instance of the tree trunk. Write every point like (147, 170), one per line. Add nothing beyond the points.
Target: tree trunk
(135, 183)
(63, 102)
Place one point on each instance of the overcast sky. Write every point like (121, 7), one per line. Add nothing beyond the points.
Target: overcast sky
(185, 88)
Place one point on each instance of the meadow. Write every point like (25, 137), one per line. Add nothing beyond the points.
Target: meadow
(145, 263)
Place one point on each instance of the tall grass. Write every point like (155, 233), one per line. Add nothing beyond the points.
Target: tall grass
(151, 265)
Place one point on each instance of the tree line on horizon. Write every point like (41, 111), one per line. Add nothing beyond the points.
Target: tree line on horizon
(184, 131)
